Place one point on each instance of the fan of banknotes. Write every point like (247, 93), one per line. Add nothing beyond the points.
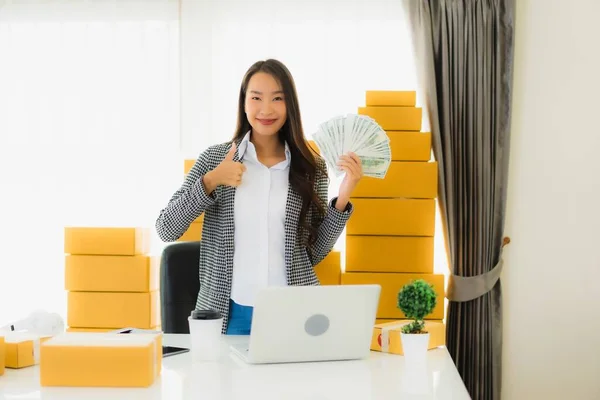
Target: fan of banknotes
(359, 134)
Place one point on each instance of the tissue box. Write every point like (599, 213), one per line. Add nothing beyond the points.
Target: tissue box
(2, 355)
(21, 349)
(101, 360)
(386, 337)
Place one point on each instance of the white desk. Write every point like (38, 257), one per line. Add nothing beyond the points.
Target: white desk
(380, 377)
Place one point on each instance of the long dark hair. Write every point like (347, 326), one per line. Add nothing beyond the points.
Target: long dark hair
(303, 167)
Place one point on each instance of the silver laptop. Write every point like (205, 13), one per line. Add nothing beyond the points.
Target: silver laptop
(311, 323)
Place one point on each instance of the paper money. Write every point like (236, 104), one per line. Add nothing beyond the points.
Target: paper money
(359, 134)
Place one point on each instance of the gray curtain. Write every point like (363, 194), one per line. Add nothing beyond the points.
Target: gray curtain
(464, 53)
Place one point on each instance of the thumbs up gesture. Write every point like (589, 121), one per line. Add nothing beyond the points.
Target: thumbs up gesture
(228, 172)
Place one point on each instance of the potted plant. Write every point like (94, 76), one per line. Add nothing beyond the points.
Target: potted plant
(416, 299)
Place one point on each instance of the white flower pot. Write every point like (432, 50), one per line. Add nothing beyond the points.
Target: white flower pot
(415, 347)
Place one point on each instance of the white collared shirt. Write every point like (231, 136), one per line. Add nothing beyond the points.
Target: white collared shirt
(259, 216)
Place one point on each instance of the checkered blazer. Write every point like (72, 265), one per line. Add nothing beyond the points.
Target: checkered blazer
(217, 244)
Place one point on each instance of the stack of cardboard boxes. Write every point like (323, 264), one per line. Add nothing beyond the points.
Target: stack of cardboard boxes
(111, 279)
(389, 238)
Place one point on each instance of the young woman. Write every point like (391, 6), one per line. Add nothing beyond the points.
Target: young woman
(264, 198)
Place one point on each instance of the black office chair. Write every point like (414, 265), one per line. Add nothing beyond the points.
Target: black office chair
(179, 285)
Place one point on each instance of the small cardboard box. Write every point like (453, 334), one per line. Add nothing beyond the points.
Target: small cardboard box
(405, 179)
(410, 146)
(406, 98)
(21, 350)
(99, 330)
(389, 254)
(111, 241)
(88, 273)
(392, 217)
(101, 360)
(386, 337)
(2, 355)
(113, 310)
(395, 118)
(329, 270)
(391, 283)
(194, 231)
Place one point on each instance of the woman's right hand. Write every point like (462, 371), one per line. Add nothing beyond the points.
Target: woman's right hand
(228, 172)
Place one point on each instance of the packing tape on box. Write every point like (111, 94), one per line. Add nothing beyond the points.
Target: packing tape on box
(36, 351)
(385, 335)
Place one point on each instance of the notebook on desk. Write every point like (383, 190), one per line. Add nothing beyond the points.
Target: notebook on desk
(311, 323)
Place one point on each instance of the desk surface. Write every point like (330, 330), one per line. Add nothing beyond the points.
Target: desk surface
(379, 377)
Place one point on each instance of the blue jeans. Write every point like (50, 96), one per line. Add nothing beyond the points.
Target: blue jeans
(240, 319)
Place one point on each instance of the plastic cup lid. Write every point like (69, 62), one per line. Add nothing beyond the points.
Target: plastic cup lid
(205, 314)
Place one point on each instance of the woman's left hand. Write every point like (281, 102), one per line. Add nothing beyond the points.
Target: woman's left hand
(352, 166)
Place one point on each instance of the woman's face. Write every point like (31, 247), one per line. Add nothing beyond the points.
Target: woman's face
(265, 104)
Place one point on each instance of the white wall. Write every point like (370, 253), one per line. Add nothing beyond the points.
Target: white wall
(552, 271)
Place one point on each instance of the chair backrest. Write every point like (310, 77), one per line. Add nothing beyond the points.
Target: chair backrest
(179, 285)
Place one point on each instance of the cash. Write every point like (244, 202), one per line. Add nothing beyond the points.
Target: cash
(359, 134)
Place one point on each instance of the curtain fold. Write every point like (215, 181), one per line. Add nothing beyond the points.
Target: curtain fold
(464, 55)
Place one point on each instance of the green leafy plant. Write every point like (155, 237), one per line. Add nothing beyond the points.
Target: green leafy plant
(416, 299)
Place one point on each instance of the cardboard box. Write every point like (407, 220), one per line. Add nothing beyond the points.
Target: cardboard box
(410, 146)
(392, 217)
(389, 254)
(187, 165)
(313, 145)
(2, 355)
(391, 98)
(387, 336)
(101, 360)
(102, 330)
(115, 241)
(193, 234)
(113, 310)
(395, 118)
(329, 270)
(417, 180)
(391, 283)
(88, 273)
(21, 349)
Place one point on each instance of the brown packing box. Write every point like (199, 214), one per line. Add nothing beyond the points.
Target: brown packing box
(417, 180)
(395, 118)
(2, 355)
(115, 241)
(391, 283)
(329, 270)
(187, 165)
(313, 145)
(407, 98)
(392, 217)
(21, 349)
(100, 330)
(101, 360)
(389, 254)
(436, 329)
(194, 232)
(410, 146)
(88, 273)
(113, 310)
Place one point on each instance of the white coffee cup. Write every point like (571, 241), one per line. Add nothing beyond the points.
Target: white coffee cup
(205, 334)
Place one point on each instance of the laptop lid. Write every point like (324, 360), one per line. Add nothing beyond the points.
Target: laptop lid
(313, 323)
